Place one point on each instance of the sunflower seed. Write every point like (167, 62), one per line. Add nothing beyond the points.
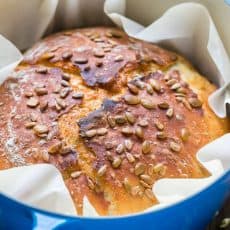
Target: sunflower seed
(161, 135)
(186, 104)
(184, 134)
(66, 76)
(102, 170)
(131, 100)
(30, 125)
(195, 102)
(42, 70)
(40, 129)
(149, 89)
(132, 88)
(32, 102)
(48, 55)
(67, 55)
(116, 162)
(116, 34)
(120, 119)
(130, 157)
(64, 92)
(28, 94)
(109, 145)
(171, 82)
(77, 95)
(175, 86)
(146, 178)
(163, 105)
(148, 104)
(149, 193)
(91, 133)
(175, 147)
(140, 84)
(158, 167)
(102, 131)
(90, 183)
(169, 113)
(99, 53)
(130, 117)
(139, 132)
(81, 60)
(155, 85)
(111, 121)
(143, 123)
(55, 148)
(118, 58)
(127, 131)
(120, 148)
(144, 184)
(45, 156)
(43, 106)
(136, 190)
(146, 147)
(128, 144)
(75, 174)
(61, 103)
(181, 90)
(127, 184)
(64, 83)
(159, 125)
(139, 168)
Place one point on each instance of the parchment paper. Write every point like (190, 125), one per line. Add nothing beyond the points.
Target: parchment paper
(186, 28)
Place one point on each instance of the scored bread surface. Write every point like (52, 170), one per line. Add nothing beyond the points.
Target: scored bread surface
(112, 113)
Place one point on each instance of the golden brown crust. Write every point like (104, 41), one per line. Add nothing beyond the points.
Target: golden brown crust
(59, 88)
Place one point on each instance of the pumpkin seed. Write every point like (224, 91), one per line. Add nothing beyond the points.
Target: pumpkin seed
(146, 147)
(148, 104)
(139, 168)
(130, 117)
(131, 100)
(132, 88)
(175, 147)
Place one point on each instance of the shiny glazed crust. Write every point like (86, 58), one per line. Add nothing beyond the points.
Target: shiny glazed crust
(112, 113)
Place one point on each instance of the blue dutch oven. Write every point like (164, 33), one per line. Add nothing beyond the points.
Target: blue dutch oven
(193, 213)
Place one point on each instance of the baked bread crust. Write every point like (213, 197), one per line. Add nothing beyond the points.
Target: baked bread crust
(112, 113)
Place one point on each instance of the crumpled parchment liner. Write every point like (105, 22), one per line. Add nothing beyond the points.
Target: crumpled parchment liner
(188, 29)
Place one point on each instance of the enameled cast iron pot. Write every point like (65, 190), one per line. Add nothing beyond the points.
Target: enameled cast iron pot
(193, 213)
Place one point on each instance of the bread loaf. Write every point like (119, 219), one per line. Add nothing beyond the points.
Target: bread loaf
(112, 113)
